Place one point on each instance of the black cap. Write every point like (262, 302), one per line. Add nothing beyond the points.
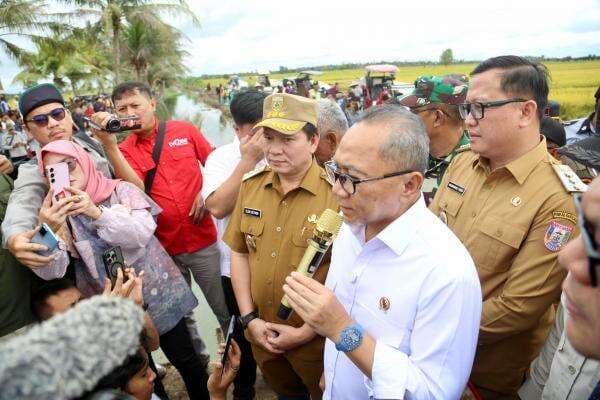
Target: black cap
(37, 96)
(554, 131)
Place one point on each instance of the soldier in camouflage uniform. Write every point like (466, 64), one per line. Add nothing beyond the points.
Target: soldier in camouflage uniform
(435, 99)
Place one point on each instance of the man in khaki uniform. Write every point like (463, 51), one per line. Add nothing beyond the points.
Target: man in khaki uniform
(273, 218)
(506, 203)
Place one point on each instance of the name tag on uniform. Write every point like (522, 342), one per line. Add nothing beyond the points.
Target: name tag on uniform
(252, 211)
(457, 188)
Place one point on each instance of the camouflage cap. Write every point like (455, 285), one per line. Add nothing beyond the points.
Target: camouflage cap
(447, 89)
(287, 113)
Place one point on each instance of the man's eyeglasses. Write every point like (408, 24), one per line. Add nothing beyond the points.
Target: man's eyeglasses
(589, 241)
(41, 120)
(477, 109)
(348, 182)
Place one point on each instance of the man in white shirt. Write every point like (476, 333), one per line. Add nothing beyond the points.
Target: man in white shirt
(223, 173)
(402, 301)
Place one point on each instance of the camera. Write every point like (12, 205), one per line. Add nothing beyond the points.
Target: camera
(117, 125)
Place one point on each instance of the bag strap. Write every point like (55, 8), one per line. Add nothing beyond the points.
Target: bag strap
(155, 156)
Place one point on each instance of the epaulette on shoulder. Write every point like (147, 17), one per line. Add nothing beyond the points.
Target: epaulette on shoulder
(569, 178)
(255, 172)
(463, 148)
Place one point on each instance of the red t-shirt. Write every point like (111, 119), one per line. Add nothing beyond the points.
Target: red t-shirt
(177, 182)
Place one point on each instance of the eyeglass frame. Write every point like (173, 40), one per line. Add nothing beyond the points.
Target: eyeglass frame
(47, 116)
(355, 181)
(484, 105)
(589, 242)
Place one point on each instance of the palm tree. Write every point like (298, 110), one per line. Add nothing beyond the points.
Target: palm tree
(20, 19)
(114, 15)
(153, 52)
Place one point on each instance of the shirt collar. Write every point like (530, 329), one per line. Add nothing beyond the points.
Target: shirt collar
(310, 182)
(521, 167)
(398, 234)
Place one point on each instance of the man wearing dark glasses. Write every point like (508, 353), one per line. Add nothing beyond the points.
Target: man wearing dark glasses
(505, 201)
(435, 100)
(46, 119)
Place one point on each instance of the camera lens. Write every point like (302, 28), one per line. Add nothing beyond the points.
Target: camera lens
(52, 180)
(113, 125)
(51, 169)
(51, 175)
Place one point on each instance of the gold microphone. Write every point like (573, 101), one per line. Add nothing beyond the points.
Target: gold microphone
(327, 228)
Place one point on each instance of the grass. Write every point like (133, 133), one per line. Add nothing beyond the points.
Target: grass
(573, 83)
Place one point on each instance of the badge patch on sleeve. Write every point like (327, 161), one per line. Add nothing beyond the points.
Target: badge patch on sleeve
(252, 211)
(557, 235)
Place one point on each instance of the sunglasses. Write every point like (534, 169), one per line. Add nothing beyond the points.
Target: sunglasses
(41, 120)
(589, 242)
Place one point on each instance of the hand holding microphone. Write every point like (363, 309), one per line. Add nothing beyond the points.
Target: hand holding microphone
(327, 227)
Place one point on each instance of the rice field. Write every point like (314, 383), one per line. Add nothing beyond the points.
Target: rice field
(573, 83)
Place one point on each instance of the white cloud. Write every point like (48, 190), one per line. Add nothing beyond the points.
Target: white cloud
(238, 35)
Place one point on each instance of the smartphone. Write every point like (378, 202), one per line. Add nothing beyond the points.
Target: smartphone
(113, 260)
(230, 331)
(46, 237)
(58, 174)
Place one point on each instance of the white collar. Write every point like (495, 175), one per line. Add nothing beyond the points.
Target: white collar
(399, 233)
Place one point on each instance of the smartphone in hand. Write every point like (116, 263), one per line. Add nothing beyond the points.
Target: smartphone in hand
(58, 175)
(113, 260)
(46, 237)
(230, 331)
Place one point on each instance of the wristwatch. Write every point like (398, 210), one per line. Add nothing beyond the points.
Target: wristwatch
(350, 338)
(245, 320)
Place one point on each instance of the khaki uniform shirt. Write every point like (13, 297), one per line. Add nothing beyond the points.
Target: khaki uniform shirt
(513, 221)
(560, 372)
(273, 229)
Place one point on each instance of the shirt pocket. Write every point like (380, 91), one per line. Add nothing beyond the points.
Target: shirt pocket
(449, 209)
(303, 234)
(496, 243)
(386, 327)
(252, 228)
(183, 152)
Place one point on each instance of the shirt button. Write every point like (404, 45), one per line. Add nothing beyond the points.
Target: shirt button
(278, 229)
(473, 214)
(273, 255)
(572, 370)
(284, 203)
(269, 282)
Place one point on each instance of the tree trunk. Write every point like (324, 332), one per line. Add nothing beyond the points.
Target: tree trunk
(116, 54)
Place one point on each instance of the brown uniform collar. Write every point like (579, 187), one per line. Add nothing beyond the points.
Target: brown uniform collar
(310, 182)
(522, 166)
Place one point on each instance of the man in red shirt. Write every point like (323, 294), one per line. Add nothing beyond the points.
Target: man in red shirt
(185, 230)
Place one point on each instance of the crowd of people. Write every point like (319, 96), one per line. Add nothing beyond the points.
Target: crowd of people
(466, 265)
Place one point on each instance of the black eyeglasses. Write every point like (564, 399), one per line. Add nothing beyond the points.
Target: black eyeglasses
(41, 120)
(589, 242)
(348, 182)
(476, 109)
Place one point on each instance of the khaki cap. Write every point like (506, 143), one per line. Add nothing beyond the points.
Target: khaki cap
(287, 113)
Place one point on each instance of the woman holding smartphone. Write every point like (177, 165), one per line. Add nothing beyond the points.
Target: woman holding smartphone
(102, 213)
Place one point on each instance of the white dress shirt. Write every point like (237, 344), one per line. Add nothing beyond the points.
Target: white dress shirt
(219, 166)
(415, 290)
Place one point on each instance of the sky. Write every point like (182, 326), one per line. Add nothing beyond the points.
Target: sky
(241, 35)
